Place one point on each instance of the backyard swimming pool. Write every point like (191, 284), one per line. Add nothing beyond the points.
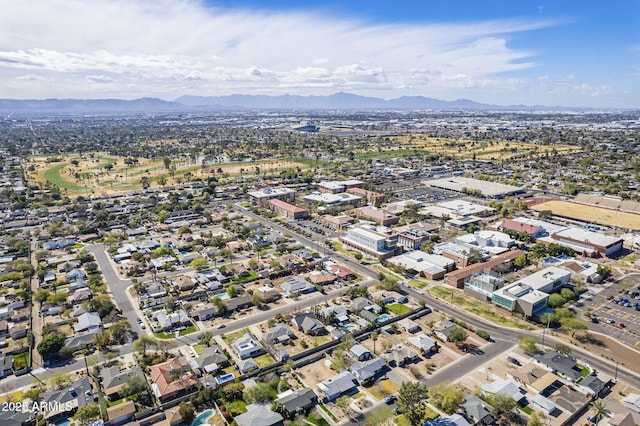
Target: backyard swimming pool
(222, 296)
(202, 418)
(347, 328)
(383, 318)
(224, 378)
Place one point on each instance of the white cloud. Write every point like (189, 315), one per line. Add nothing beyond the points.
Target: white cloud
(167, 48)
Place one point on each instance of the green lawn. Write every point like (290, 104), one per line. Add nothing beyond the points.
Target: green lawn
(198, 349)
(264, 360)
(398, 308)
(252, 276)
(21, 361)
(163, 335)
(237, 407)
(54, 177)
(317, 419)
(188, 330)
(229, 338)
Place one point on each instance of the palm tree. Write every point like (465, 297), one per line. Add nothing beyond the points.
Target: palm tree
(600, 410)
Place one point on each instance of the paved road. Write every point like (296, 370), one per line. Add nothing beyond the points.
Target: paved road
(117, 286)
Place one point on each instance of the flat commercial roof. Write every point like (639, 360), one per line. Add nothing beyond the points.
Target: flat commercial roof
(486, 188)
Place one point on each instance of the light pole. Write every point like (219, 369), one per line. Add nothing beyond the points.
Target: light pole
(545, 329)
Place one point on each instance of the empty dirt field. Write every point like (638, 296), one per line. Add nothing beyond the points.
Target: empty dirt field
(487, 150)
(591, 214)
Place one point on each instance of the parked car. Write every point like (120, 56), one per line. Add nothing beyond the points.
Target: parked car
(390, 400)
(512, 360)
(594, 320)
(621, 325)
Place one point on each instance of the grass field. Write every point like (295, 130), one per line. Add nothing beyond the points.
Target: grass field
(99, 173)
(591, 214)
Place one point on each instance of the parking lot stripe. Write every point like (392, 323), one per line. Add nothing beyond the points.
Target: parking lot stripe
(626, 316)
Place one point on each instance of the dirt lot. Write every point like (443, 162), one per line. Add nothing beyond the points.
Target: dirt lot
(592, 214)
(314, 373)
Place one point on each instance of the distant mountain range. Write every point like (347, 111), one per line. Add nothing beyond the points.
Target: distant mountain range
(338, 101)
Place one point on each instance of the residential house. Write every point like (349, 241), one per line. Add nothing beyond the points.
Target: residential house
(183, 283)
(336, 314)
(423, 343)
(296, 402)
(87, 321)
(337, 385)
(203, 311)
(171, 378)
(506, 387)
(247, 365)
(121, 413)
(366, 371)
(409, 325)
(247, 346)
(562, 365)
(308, 324)
(362, 303)
(166, 322)
(340, 271)
(80, 341)
(477, 411)
(400, 355)
(68, 399)
(632, 402)
(621, 419)
(444, 329)
(268, 294)
(259, 415)
(114, 378)
(280, 333)
(296, 285)
(209, 361)
(320, 278)
(359, 352)
(452, 420)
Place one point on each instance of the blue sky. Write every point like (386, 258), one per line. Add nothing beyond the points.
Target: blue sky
(568, 53)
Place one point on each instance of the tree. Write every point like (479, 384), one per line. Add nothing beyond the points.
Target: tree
(556, 300)
(221, 308)
(120, 331)
(573, 325)
(257, 301)
(535, 420)
(562, 348)
(136, 385)
(374, 337)
(474, 256)
(410, 401)
(446, 397)
(380, 417)
(199, 264)
(51, 344)
(458, 335)
(232, 291)
(88, 413)
(358, 256)
(205, 338)
(167, 162)
(143, 343)
(186, 411)
(520, 261)
(528, 345)
(258, 393)
(604, 271)
(102, 339)
(600, 411)
(59, 379)
(502, 404)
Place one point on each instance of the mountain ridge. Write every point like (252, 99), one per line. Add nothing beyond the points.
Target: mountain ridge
(192, 103)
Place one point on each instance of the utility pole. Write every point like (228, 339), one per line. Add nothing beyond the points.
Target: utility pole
(545, 329)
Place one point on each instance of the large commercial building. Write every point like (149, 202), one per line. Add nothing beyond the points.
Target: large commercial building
(487, 189)
(287, 210)
(263, 196)
(333, 200)
(530, 295)
(379, 216)
(369, 241)
(431, 266)
(336, 187)
(500, 263)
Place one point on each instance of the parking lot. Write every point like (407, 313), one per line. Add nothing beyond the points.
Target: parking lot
(620, 317)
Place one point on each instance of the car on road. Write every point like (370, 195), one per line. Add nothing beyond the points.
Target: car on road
(220, 326)
(390, 400)
(142, 326)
